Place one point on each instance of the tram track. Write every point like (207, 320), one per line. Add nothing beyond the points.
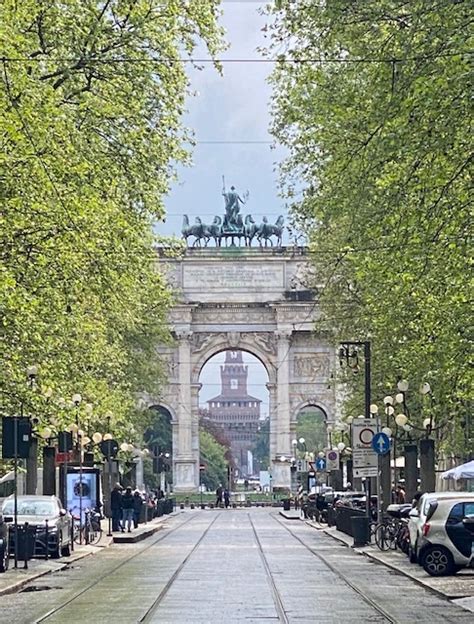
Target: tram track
(369, 601)
(56, 610)
(146, 617)
(343, 577)
(280, 609)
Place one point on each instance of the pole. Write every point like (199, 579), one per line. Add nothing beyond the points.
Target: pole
(15, 485)
(109, 462)
(367, 415)
(200, 485)
(80, 493)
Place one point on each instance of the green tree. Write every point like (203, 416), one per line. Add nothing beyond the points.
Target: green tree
(90, 123)
(213, 456)
(261, 448)
(373, 101)
(311, 425)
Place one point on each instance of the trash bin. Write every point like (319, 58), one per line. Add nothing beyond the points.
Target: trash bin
(286, 504)
(160, 507)
(26, 538)
(360, 530)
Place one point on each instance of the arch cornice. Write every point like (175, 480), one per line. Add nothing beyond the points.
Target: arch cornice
(310, 402)
(224, 342)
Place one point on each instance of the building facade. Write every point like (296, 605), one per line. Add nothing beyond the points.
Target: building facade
(236, 412)
(244, 299)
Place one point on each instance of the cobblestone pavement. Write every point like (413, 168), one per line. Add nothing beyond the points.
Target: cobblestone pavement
(228, 566)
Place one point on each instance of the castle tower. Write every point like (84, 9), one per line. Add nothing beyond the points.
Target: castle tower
(236, 411)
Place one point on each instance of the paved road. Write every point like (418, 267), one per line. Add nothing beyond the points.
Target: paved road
(228, 566)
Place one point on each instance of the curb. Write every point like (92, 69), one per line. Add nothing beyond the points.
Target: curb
(133, 538)
(12, 589)
(376, 559)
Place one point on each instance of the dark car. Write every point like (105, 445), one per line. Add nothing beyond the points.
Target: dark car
(46, 514)
(3, 545)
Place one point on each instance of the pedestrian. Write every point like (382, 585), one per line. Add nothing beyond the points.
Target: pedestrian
(137, 507)
(401, 495)
(226, 498)
(127, 509)
(116, 507)
(219, 492)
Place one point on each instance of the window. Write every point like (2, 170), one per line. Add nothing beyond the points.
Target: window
(468, 509)
(456, 515)
(234, 384)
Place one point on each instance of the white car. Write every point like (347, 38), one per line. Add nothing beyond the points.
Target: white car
(440, 538)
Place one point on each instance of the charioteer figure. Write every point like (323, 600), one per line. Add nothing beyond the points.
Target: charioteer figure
(233, 219)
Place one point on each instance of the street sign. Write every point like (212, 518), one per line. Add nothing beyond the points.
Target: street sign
(61, 458)
(381, 443)
(332, 460)
(301, 465)
(364, 458)
(321, 464)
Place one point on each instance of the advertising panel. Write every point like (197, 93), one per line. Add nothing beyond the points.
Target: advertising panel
(82, 491)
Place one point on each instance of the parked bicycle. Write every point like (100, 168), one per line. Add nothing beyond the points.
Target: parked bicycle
(90, 532)
(393, 531)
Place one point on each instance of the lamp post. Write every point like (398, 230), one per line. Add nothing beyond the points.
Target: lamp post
(76, 400)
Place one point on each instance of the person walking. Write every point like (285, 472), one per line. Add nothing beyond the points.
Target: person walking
(401, 495)
(219, 492)
(127, 509)
(116, 507)
(226, 498)
(137, 507)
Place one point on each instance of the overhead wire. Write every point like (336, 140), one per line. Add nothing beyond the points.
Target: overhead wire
(280, 59)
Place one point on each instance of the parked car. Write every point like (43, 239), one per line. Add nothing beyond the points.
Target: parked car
(440, 538)
(4, 555)
(53, 524)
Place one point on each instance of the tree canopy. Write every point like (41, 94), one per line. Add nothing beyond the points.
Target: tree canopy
(92, 96)
(373, 101)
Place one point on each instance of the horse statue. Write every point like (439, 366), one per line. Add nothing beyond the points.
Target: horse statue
(198, 230)
(250, 230)
(214, 230)
(267, 230)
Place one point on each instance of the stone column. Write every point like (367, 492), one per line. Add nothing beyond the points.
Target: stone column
(273, 415)
(411, 470)
(427, 465)
(282, 478)
(385, 480)
(184, 463)
(49, 470)
(32, 467)
(195, 388)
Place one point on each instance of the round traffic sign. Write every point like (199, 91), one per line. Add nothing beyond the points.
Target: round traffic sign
(366, 435)
(332, 455)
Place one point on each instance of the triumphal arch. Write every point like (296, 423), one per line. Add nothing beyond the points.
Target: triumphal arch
(236, 296)
(255, 300)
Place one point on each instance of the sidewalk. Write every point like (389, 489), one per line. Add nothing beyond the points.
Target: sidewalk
(459, 588)
(14, 579)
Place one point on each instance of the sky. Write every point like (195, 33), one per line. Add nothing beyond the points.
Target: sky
(230, 118)
(229, 112)
(256, 382)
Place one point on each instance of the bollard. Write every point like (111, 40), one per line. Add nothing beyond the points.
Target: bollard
(46, 538)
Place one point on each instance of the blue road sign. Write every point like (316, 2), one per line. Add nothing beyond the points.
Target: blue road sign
(321, 464)
(381, 443)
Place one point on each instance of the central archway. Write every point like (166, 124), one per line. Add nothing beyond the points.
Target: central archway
(234, 412)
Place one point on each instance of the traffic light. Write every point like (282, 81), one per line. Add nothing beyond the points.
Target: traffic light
(22, 436)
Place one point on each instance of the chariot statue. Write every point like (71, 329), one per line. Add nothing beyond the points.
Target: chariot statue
(233, 226)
